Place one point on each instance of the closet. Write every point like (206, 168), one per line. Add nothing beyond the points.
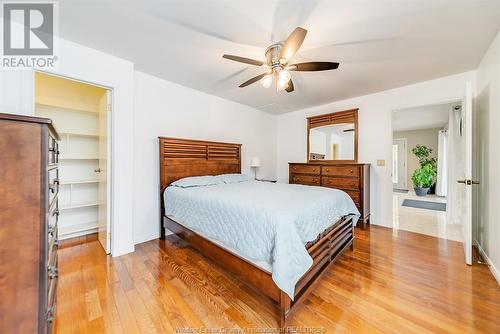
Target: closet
(79, 113)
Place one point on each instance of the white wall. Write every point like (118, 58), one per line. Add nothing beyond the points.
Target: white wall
(426, 137)
(163, 108)
(82, 63)
(375, 131)
(487, 144)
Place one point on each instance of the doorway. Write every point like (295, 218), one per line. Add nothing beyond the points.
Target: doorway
(81, 114)
(421, 154)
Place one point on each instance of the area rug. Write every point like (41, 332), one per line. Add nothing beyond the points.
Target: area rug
(413, 203)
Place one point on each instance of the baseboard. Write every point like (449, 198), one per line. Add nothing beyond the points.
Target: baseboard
(493, 269)
(77, 233)
(146, 237)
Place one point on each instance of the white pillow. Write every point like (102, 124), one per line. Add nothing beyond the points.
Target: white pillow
(234, 178)
(197, 181)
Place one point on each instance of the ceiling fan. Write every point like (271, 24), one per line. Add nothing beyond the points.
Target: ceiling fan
(277, 65)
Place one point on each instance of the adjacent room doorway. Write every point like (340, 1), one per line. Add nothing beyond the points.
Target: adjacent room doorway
(81, 114)
(435, 142)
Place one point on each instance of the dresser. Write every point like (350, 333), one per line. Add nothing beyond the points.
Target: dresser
(353, 178)
(29, 185)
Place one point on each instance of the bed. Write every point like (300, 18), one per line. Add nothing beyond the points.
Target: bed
(278, 238)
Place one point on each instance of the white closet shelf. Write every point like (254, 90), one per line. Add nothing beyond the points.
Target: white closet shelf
(78, 181)
(78, 158)
(78, 206)
(72, 231)
(66, 108)
(76, 134)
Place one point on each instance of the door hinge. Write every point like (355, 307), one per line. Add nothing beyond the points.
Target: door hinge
(108, 107)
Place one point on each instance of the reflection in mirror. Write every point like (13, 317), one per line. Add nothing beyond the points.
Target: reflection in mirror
(332, 142)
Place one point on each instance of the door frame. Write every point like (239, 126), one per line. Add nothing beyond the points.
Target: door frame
(111, 139)
(405, 184)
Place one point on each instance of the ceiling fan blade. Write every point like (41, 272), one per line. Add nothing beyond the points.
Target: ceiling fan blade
(289, 88)
(293, 43)
(314, 66)
(244, 60)
(254, 79)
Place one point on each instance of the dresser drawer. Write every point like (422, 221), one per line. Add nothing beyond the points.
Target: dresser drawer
(340, 182)
(340, 171)
(52, 272)
(50, 313)
(305, 169)
(52, 237)
(53, 154)
(355, 195)
(53, 180)
(306, 179)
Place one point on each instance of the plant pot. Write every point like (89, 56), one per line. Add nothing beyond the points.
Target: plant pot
(421, 191)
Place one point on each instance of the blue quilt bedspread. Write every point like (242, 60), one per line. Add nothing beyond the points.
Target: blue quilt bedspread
(262, 221)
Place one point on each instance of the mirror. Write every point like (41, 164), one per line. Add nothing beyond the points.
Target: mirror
(333, 137)
(332, 142)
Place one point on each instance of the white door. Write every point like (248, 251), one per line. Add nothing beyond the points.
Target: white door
(102, 172)
(399, 164)
(466, 175)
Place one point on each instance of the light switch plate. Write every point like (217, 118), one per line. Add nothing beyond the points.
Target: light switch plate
(380, 162)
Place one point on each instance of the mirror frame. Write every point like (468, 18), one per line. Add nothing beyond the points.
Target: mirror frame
(345, 116)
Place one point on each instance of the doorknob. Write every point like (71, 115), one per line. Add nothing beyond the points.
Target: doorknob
(468, 182)
(98, 170)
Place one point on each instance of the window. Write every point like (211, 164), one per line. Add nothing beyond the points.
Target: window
(394, 163)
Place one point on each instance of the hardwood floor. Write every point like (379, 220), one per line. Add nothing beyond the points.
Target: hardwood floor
(409, 283)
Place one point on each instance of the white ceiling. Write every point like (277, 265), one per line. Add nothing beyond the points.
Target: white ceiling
(424, 117)
(380, 44)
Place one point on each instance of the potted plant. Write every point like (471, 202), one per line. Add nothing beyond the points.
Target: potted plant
(424, 177)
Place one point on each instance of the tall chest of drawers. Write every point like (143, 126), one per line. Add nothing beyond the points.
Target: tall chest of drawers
(29, 186)
(353, 178)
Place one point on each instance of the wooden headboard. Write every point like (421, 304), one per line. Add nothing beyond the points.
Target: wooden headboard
(186, 157)
(181, 158)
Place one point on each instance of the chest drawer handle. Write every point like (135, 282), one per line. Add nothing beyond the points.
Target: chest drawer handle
(53, 272)
(53, 186)
(52, 229)
(327, 170)
(351, 171)
(49, 316)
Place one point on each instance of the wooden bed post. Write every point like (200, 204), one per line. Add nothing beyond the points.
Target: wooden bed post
(162, 213)
(285, 305)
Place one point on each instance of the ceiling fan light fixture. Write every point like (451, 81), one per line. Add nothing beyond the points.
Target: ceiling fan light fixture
(267, 81)
(284, 76)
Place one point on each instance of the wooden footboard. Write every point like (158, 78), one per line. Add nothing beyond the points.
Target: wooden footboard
(324, 251)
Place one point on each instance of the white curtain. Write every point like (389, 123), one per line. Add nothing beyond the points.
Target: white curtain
(442, 164)
(455, 195)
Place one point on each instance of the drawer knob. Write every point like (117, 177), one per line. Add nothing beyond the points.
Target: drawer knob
(351, 171)
(52, 229)
(53, 272)
(50, 314)
(294, 168)
(327, 170)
